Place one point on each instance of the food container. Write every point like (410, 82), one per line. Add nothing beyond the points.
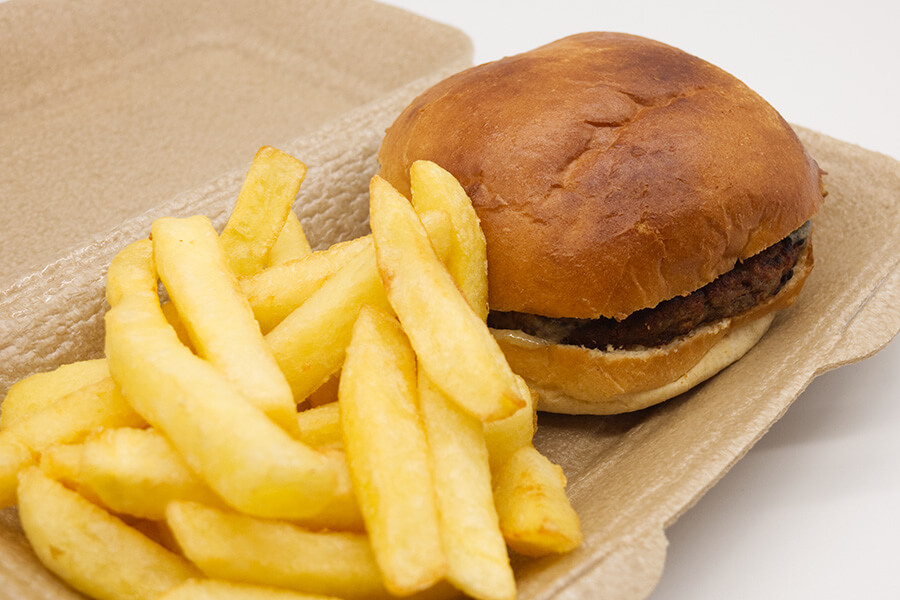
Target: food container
(115, 113)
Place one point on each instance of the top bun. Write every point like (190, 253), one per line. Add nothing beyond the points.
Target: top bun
(610, 172)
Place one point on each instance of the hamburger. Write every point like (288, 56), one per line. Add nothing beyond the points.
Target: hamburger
(646, 213)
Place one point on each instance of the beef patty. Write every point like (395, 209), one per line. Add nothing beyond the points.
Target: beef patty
(750, 282)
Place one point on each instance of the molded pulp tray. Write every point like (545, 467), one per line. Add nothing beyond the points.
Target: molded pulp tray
(137, 108)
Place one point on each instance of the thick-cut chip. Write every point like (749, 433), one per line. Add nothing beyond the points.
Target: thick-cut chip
(439, 226)
(247, 459)
(311, 342)
(262, 207)
(218, 318)
(320, 425)
(75, 416)
(40, 390)
(536, 517)
(217, 589)
(453, 345)
(137, 472)
(15, 455)
(434, 188)
(342, 513)
(505, 436)
(227, 545)
(388, 454)
(170, 312)
(276, 292)
(90, 549)
(291, 243)
(62, 463)
(477, 561)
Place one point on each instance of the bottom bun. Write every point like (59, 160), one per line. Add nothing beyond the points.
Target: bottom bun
(578, 380)
(727, 350)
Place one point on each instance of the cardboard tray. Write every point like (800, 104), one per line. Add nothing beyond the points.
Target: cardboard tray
(111, 108)
(340, 76)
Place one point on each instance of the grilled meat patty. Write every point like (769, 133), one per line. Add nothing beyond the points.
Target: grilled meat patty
(750, 282)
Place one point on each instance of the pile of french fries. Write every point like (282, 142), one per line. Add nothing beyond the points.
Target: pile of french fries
(289, 424)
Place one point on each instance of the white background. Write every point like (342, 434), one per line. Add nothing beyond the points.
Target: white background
(813, 511)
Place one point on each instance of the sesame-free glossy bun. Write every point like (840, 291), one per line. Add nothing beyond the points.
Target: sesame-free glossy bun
(610, 172)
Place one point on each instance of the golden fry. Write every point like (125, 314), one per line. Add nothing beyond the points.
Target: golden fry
(62, 463)
(291, 243)
(75, 416)
(262, 207)
(247, 459)
(342, 513)
(218, 318)
(536, 517)
(276, 292)
(505, 436)
(38, 391)
(91, 550)
(311, 342)
(434, 188)
(137, 472)
(241, 548)
(388, 454)
(217, 589)
(478, 563)
(15, 455)
(453, 345)
(320, 425)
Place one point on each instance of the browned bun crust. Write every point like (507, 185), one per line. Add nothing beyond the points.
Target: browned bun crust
(610, 172)
(578, 380)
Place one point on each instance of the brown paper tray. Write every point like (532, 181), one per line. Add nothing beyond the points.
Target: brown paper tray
(630, 476)
(110, 108)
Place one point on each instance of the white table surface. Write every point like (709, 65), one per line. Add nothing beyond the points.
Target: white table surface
(813, 510)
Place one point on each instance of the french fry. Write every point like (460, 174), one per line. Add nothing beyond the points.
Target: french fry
(311, 342)
(505, 436)
(91, 550)
(247, 459)
(451, 342)
(55, 419)
(218, 318)
(189, 431)
(75, 416)
(228, 545)
(291, 243)
(342, 513)
(40, 390)
(170, 312)
(276, 292)
(434, 188)
(15, 455)
(137, 472)
(62, 463)
(388, 454)
(536, 517)
(477, 561)
(263, 204)
(439, 227)
(320, 425)
(217, 589)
